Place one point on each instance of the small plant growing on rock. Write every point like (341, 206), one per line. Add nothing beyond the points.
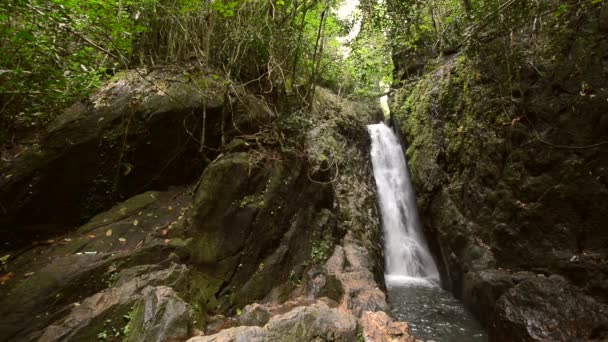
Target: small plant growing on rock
(256, 201)
(320, 251)
(293, 278)
(129, 320)
(4, 262)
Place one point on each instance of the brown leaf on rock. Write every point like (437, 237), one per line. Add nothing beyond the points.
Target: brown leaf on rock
(6, 277)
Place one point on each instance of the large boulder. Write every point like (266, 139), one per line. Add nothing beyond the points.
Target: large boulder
(160, 316)
(139, 131)
(255, 223)
(482, 289)
(137, 239)
(317, 321)
(349, 275)
(238, 334)
(254, 315)
(378, 327)
(548, 309)
(97, 314)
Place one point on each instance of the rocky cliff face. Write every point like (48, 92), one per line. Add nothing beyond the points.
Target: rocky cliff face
(509, 157)
(270, 233)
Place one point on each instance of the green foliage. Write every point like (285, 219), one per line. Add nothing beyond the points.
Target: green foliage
(225, 9)
(4, 262)
(321, 251)
(369, 65)
(55, 52)
(102, 336)
(417, 28)
(294, 279)
(109, 332)
(128, 318)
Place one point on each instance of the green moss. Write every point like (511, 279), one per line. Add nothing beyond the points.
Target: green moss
(132, 330)
(202, 292)
(254, 201)
(122, 210)
(177, 242)
(206, 248)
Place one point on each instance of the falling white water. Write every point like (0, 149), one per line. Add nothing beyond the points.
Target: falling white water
(407, 255)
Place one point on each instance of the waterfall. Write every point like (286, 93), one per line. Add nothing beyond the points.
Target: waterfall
(407, 255)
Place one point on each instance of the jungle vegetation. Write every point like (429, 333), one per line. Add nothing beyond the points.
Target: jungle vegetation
(55, 52)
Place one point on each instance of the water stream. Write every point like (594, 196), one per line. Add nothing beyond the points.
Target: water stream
(412, 276)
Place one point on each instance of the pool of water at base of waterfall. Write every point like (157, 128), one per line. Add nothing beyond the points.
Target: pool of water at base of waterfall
(433, 313)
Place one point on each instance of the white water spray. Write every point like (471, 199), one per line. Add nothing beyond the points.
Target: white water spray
(407, 255)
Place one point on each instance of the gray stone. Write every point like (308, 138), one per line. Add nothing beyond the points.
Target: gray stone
(82, 320)
(335, 263)
(315, 321)
(254, 315)
(482, 290)
(378, 327)
(548, 309)
(160, 316)
(238, 334)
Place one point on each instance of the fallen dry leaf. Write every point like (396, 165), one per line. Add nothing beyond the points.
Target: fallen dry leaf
(6, 277)
(91, 236)
(122, 239)
(109, 232)
(165, 231)
(167, 240)
(135, 223)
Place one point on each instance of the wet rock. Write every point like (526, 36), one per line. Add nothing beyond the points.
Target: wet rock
(482, 290)
(367, 300)
(78, 265)
(254, 315)
(502, 194)
(252, 225)
(238, 334)
(332, 288)
(362, 292)
(85, 320)
(351, 266)
(307, 323)
(548, 309)
(159, 316)
(378, 327)
(217, 323)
